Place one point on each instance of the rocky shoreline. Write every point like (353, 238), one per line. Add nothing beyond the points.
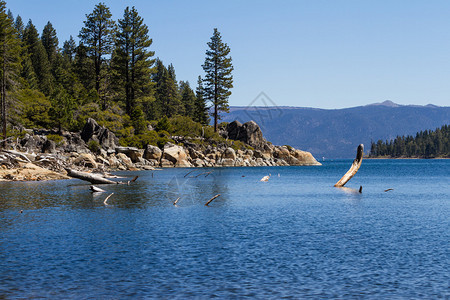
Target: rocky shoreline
(36, 156)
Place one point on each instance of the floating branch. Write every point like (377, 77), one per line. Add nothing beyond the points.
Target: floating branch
(189, 173)
(132, 180)
(388, 190)
(92, 178)
(104, 202)
(97, 189)
(210, 200)
(207, 173)
(353, 169)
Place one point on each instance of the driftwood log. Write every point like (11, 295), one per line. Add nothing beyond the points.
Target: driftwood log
(354, 168)
(92, 178)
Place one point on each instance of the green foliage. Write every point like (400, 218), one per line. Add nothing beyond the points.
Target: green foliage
(112, 118)
(109, 76)
(9, 64)
(138, 120)
(35, 109)
(13, 132)
(131, 60)
(184, 126)
(188, 99)
(62, 108)
(50, 42)
(164, 124)
(149, 138)
(218, 80)
(210, 134)
(426, 144)
(98, 37)
(94, 146)
(56, 138)
(167, 98)
(39, 59)
(69, 49)
(201, 114)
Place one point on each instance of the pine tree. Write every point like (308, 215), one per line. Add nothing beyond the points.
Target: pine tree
(187, 99)
(39, 58)
(69, 49)
(50, 42)
(84, 68)
(19, 26)
(9, 62)
(167, 102)
(171, 70)
(132, 61)
(200, 107)
(97, 35)
(218, 78)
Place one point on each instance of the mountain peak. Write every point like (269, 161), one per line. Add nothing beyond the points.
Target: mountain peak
(388, 103)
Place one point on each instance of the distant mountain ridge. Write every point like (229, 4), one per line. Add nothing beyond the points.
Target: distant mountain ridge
(335, 133)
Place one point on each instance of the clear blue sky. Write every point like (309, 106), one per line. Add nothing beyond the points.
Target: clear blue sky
(315, 53)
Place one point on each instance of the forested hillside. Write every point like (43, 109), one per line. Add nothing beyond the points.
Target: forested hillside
(426, 144)
(111, 75)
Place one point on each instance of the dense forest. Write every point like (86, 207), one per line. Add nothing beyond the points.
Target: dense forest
(426, 144)
(111, 75)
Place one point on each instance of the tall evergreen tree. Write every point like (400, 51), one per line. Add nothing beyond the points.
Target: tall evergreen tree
(97, 35)
(50, 42)
(84, 68)
(187, 99)
(9, 62)
(132, 61)
(218, 77)
(167, 101)
(171, 70)
(69, 49)
(19, 26)
(39, 58)
(200, 107)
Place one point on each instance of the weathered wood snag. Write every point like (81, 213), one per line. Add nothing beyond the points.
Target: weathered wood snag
(210, 200)
(353, 169)
(95, 189)
(92, 178)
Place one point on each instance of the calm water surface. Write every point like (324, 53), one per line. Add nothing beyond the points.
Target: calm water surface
(294, 236)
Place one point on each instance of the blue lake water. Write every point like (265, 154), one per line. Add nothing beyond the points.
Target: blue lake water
(293, 236)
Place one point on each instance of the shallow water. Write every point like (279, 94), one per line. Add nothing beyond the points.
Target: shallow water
(293, 236)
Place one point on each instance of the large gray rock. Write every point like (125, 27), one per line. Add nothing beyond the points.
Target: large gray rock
(32, 143)
(249, 133)
(152, 152)
(49, 147)
(74, 143)
(92, 131)
(132, 152)
(176, 154)
(229, 153)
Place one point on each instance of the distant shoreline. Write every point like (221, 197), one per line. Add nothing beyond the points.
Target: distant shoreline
(407, 158)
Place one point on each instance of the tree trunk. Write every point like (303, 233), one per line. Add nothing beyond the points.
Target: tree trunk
(354, 168)
(3, 96)
(215, 118)
(92, 178)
